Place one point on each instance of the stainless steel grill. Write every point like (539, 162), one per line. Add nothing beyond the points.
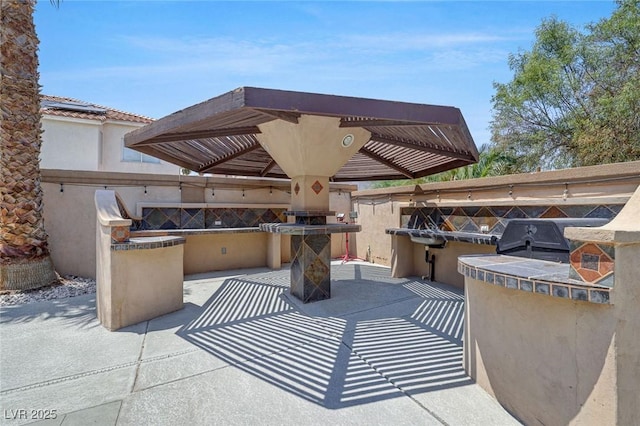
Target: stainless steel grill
(541, 238)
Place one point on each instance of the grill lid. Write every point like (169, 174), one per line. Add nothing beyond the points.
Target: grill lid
(541, 238)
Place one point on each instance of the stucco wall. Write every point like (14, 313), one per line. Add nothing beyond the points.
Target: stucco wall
(70, 144)
(379, 209)
(70, 218)
(541, 356)
(112, 146)
(79, 144)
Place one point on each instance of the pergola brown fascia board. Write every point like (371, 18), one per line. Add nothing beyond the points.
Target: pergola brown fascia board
(241, 111)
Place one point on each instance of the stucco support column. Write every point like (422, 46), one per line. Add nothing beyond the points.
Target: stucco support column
(274, 243)
(310, 150)
(401, 256)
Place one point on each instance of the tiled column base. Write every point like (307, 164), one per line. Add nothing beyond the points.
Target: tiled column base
(311, 267)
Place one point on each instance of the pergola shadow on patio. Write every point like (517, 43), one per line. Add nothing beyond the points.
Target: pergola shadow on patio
(383, 339)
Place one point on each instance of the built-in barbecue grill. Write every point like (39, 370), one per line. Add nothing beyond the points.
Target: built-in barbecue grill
(541, 238)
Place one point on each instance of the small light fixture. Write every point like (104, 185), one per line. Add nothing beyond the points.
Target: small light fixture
(213, 192)
(145, 189)
(180, 187)
(242, 192)
(270, 190)
(61, 187)
(347, 140)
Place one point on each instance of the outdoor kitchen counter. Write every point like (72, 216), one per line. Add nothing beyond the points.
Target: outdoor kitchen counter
(183, 232)
(530, 275)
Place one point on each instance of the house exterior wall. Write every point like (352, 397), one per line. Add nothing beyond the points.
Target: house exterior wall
(112, 152)
(70, 144)
(82, 144)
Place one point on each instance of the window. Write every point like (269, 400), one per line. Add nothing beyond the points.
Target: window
(131, 156)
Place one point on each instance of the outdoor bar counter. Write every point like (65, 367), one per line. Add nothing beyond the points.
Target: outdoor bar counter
(532, 276)
(557, 343)
(213, 249)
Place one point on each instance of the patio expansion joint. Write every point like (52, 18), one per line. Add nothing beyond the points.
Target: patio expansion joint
(392, 383)
(94, 372)
(144, 340)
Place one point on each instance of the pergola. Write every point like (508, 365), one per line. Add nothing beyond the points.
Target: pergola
(221, 135)
(312, 139)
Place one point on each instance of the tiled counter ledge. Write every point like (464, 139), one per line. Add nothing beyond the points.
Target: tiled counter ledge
(147, 243)
(298, 229)
(460, 236)
(531, 275)
(185, 232)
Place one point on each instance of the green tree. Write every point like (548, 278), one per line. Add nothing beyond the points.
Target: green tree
(24, 254)
(574, 98)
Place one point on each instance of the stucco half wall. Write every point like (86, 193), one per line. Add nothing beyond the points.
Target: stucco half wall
(547, 360)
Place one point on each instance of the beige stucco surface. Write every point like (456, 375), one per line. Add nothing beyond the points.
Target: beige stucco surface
(545, 359)
(446, 260)
(70, 144)
(81, 144)
(216, 252)
(556, 361)
(70, 215)
(144, 285)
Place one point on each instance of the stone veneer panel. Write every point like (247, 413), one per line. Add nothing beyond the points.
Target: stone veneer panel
(154, 218)
(471, 219)
(533, 276)
(311, 267)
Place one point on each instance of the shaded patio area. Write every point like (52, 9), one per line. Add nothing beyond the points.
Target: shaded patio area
(386, 351)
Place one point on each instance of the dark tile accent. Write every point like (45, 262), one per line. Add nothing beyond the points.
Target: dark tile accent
(560, 291)
(500, 211)
(473, 273)
(500, 279)
(542, 288)
(608, 280)
(515, 213)
(601, 212)
(480, 275)
(579, 294)
(534, 211)
(470, 210)
(192, 219)
(512, 282)
(598, 296)
(577, 211)
(615, 208)
(526, 285)
(490, 277)
(310, 267)
(610, 250)
(458, 222)
(498, 228)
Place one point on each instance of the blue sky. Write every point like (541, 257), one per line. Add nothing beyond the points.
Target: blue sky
(154, 58)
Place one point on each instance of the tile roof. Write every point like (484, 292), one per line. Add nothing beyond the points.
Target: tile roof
(73, 108)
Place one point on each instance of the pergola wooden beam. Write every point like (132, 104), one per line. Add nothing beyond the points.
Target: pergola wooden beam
(200, 134)
(382, 160)
(421, 146)
(210, 165)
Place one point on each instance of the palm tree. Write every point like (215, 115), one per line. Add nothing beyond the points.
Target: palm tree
(24, 255)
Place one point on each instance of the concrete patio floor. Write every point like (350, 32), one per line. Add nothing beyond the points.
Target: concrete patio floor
(382, 351)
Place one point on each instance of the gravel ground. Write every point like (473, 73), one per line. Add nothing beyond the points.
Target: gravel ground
(69, 286)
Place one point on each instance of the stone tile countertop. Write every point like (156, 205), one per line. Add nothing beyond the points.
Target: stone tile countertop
(532, 275)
